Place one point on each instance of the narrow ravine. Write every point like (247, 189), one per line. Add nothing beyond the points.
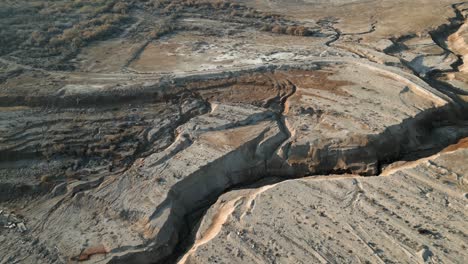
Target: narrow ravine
(440, 37)
(251, 129)
(253, 153)
(409, 156)
(425, 122)
(252, 190)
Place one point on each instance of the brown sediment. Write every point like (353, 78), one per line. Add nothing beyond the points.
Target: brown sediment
(262, 89)
(91, 251)
(318, 80)
(397, 166)
(256, 88)
(462, 144)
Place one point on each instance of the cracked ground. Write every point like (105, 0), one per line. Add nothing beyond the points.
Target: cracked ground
(202, 131)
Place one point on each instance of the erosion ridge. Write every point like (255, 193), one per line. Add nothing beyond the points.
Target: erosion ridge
(164, 157)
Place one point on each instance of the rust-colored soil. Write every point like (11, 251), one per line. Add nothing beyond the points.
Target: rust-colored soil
(318, 80)
(462, 144)
(264, 88)
(95, 250)
(258, 89)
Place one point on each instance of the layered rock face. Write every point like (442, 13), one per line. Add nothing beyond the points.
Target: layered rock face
(413, 213)
(231, 140)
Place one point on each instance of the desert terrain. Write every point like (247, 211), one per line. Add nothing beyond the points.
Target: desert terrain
(211, 131)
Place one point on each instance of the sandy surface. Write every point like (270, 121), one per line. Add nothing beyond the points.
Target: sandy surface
(234, 132)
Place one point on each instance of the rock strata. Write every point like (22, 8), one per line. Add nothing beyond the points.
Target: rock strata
(413, 212)
(235, 132)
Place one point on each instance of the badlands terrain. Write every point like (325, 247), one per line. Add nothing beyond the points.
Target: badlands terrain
(237, 131)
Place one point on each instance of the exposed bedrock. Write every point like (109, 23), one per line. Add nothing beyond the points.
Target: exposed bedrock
(329, 117)
(203, 131)
(438, 56)
(413, 213)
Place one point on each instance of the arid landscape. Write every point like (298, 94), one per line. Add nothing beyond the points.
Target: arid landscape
(211, 131)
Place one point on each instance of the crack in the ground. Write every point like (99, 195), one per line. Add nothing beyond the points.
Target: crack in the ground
(194, 216)
(330, 25)
(186, 246)
(259, 168)
(439, 36)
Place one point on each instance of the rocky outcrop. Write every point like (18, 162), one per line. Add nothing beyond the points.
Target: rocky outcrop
(413, 212)
(261, 141)
(291, 127)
